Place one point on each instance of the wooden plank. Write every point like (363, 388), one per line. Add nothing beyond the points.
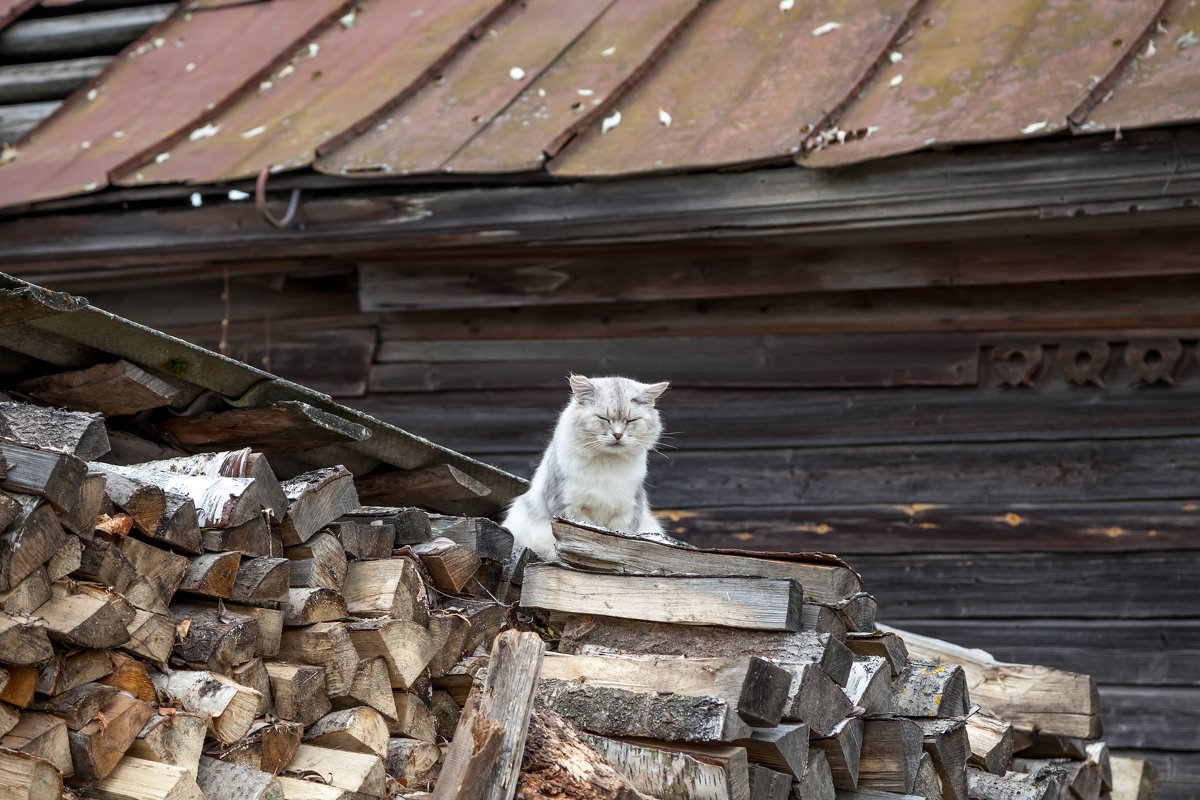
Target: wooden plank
(431, 486)
(111, 389)
(771, 361)
(755, 603)
(1141, 717)
(284, 427)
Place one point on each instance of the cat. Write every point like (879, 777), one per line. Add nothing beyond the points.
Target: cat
(594, 468)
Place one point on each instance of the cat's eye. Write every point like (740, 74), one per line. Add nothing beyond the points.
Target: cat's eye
(603, 419)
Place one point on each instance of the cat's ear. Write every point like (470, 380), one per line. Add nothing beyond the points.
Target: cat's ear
(583, 389)
(648, 395)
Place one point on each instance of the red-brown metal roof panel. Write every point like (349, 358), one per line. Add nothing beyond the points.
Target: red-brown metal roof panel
(579, 88)
(422, 133)
(1161, 84)
(739, 86)
(980, 70)
(11, 9)
(350, 73)
(159, 85)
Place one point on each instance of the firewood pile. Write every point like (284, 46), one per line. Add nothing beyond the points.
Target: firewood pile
(194, 627)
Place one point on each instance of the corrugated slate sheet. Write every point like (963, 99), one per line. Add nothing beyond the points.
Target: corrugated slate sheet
(220, 92)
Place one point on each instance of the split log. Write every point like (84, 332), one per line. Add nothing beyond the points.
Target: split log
(242, 463)
(371, 687)
(406, 647)
(80, 518)
(286, 426)
(314, 500)
(299, 692)
(320, 562)
(163, 516)
(229, 706)
(326, 644)
(767, 784)
(887, 645)
(858, 612)
(355, 772)
(870, 685)
(98, 746)
(820, 618)
(1078, 778)
(27, 777)
(825, 579)
(731, 759)
(253, 538)
(411, 525)
(631, 636)
(41, 735)
(220, 502)
(479, 534)
(783, 748)
(1099, 758)
(212, 575)
(814, 698)
(308, 789)
(890, 755)
(308, 606)
(991, 741)
(220, 780)
(29, 594)
(949, 748)
(412, 761)
(176, 739)
(74, 668)
(364, 540)
(1033, 698)
(450, 565)
(65, 560)
(103, 562)
(1010, 786)
(30, 541)
(78, 706)
(151, 636)
(112, 389)
(163, 569)
(1133, 778)
(413, 720)
(928, 783)
(79, 433)
(925, 689)
(214, 640)
(254, 674)
(270, 620)
(19, 685)
(559, 762)
(269, 747)
(755, 603)
(843, 748)
(358, 730)
(49, 474)
(446, 714)
(817, 781)
(130, 675)
(662, 773)
(138, 779)
(391, 588)
(83, 619)
(756, 689)
(261, 581)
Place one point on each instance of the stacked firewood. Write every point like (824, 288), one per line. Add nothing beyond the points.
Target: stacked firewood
(194, 627)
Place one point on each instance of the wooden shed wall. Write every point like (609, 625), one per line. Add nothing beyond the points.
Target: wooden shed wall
(1000, 434)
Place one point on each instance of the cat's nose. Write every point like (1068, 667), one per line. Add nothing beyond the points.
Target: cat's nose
(617, 435)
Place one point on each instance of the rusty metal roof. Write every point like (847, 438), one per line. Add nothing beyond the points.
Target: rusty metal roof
(374, 88)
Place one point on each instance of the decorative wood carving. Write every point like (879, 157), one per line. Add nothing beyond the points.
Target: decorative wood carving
(1084, 363)
(1018, 366)
(1154, 361)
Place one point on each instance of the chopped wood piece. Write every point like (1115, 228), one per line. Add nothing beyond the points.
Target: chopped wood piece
(1010, 786)
(890, 756)
(41, 735)
(820, 618)
(19, 685)
(413, 720)
(29, 594)
(66, 560)
(359, 730)
(480, 534)
(83, 619)
(925, 689)
(767, 784)
(412, 761)
(371, 687)
(307, 606)
(783, 748)
(242, 463)
(507, 698)
(1100, 759)
(858, 612)
(76, 707)
(326, 644)
(75, 668)
(608, 634)
(26, 777)
(928, 783)
(160, 515)
(1030, 697)
(439, 486)
(138, 779)
(50, 474)
(267, 747)
(162, 568)
(678, 776)
(80, 518)
(869, 686)
(410, 524)
(220, 502)
(220, 780)
(229, 706)
(270, 620)
(364, 540)
(212, 575)
(320, 562)
(450, 565)
(299, 692)
(406, 646)
(1133, 778)
(842, 750)
(391, 588)
(559, 762)
(110, 389)
(445, 712)
(98, 746)
(949, 747)
(316, 499)
(130, 675)
(991, 741)
(284, 427)
(756, 689)
(151, 636)
(253, 538)
(817, 781)
(254, 674)
(176, 739)
(814, 698)
(1078, 779)
(9, 508)
(304, 789)
(755, 603)
(355, 772)
(103, 562)
(262, 580)
(216, 641)
(825, 580)
(887, 645)
(30, 541)
(81, 434)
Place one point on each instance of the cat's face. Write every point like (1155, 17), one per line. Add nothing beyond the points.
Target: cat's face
(615, 416)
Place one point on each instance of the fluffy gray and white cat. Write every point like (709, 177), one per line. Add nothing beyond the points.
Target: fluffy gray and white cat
(594, 468)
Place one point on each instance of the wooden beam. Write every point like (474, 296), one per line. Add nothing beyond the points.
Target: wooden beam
(284, 427)
(112, 389)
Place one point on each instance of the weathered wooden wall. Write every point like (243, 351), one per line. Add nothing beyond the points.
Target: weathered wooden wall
(1001, 435)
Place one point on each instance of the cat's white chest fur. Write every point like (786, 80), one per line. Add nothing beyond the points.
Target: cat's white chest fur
(603, 493)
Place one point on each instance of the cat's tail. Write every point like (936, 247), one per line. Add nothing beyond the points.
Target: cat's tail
(530, 528)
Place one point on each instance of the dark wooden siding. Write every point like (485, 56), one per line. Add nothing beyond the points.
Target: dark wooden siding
(1002, 435)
